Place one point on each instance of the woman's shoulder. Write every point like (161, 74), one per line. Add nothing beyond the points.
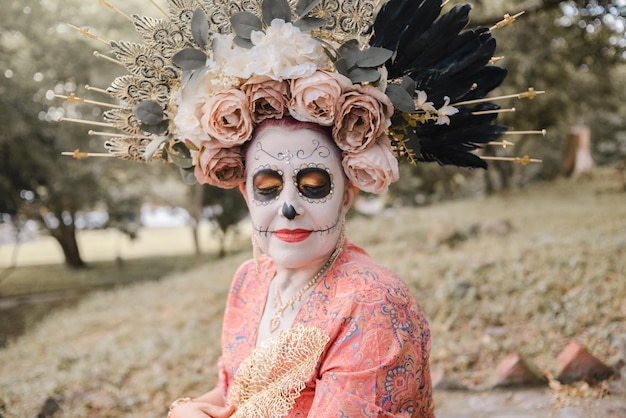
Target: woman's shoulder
(359, 274)
(251, 275)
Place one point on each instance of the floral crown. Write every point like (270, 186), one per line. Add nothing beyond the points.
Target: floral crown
(394, 80)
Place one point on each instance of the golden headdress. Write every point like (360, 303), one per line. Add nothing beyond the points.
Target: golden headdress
(395, 80)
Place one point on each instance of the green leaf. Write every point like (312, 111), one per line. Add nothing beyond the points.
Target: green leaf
(304, 7)
(342, 67)
(188, 177)
(364, 75)
(275, 9)
(244, 23)
(373, 57)
(149, 112)
(400, 98)
(189, 59)
(182, 149)
(350, 52)
(309, 23)
(408, 84)
(158, 129)
(153, 146)
(180, 155)
(200, 27)
(244, 43)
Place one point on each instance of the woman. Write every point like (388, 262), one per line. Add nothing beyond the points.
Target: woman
(300, 121)
(375, 362)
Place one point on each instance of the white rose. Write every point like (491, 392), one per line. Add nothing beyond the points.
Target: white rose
(187, 121)
(232, 59)
(283, 52)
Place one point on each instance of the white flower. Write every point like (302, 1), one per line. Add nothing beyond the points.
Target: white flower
(445, 111)
(232, 59)
(187, 121)
(283, 52)
(422, 104)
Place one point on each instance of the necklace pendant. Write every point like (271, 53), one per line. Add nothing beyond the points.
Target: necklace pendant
(274, 324)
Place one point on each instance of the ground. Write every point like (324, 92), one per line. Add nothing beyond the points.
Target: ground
(528, 270)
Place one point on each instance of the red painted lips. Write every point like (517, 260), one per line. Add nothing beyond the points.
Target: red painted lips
(292, 235)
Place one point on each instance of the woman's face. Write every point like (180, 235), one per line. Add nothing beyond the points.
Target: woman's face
(296, 192)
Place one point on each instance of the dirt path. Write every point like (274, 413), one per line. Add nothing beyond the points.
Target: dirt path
(525, 403)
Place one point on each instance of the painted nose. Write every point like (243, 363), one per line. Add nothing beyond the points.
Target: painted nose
(289, 211)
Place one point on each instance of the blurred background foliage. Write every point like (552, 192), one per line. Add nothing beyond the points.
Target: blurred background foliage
(574, 50)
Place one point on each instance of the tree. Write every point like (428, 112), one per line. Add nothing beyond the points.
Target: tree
(225, 209)
(41, 58)
(575, 51)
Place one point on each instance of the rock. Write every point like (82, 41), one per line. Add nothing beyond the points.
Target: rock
(578, 364)
(50, 408)
(515, 370)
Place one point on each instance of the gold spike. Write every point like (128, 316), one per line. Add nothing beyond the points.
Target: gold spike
(79, 155)
(90, 88)
(111, 134)
(525, 160)
(541, 132)
(489, 112)
(84, 122)
(154, 3)
(73, 99)
(493, 60)
(115, 9)
(531, 93)
(506, 21)
(85, 33)
(504, 144)
(113, 60)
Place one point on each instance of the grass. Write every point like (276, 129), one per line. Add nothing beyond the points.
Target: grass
(524, 271)
(45, 278)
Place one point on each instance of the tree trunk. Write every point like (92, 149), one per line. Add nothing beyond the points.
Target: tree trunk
(195, 211)
(66, 237)
(577, 154)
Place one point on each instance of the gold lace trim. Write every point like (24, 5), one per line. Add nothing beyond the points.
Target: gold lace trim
(270, 379)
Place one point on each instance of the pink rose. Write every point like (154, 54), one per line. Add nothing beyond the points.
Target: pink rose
(267, 98)
(226, 117)
(221, 167)
(313, 98)
(362, 116)
(374, 169)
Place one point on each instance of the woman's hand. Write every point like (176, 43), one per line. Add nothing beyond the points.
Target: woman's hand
(199, 409)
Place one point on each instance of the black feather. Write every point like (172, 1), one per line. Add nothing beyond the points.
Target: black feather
(454, 144)
(431, 44)
(444, 60)
(395, 17)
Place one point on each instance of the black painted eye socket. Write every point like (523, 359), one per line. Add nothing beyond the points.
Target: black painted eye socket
(267, 185)
(314, 183)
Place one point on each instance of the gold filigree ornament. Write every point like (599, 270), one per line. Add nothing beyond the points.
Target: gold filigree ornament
(434, 72)
(271, 378)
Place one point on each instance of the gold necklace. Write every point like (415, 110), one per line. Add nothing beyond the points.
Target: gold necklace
(280, 306)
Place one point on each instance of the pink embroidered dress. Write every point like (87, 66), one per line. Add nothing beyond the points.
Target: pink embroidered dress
(376, 361)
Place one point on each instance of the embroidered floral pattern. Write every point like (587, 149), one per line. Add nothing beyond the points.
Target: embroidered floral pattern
(372, 365)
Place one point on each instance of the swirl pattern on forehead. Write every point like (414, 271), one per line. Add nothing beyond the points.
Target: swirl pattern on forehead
(321, 150)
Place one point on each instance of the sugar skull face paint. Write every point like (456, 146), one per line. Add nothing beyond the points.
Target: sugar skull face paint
(296, 193)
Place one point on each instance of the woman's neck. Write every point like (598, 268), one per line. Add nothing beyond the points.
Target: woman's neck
(289, 281)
